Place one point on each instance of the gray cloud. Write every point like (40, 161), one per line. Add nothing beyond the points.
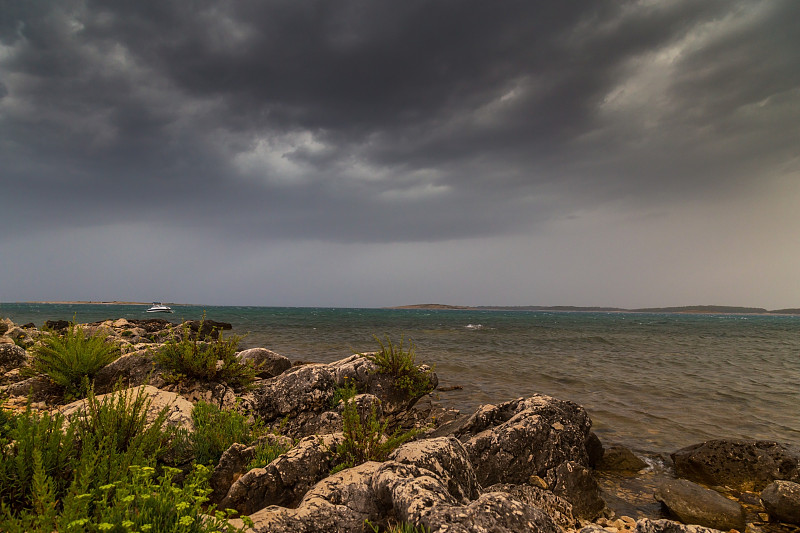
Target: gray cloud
(405, 122)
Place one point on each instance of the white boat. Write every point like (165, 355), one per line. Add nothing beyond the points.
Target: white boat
(158, 307)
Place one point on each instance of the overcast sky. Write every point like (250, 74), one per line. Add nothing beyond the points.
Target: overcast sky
(370, 153)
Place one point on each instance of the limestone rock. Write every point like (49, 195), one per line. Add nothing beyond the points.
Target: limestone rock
(230, 468)
(781, 499)
(133, 369)
(646, 525)
(497, 512)
(39, 388)
(11, 357)
(448, 459)
(267, 363)
(515, 440)
(620, 459)
(574, 483)
(693, 504)
(739, 464)
(286, 479)
(557, 508)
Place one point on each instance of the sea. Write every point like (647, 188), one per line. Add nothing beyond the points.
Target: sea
(653, 382)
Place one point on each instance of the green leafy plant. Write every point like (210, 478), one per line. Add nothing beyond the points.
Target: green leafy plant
(345, 393)
(216, 429)
(267, 451)
(72, 359)
(402, 527)
(365, 437)
(401, 364)
(210, 359)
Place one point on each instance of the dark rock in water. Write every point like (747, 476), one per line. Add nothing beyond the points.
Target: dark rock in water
(29, 325)
(620, 459)
(646, 525)
(207, 328)
(11, 357)
(152, 325)
(268, 364)
(693, 504)
(56, 325)
(781, 499)
(739, 464)
(574, 483)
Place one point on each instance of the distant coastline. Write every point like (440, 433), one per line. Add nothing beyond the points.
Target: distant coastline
(88, 302)
(690, 309)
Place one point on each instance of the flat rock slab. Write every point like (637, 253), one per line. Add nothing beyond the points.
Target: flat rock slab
(693, 504)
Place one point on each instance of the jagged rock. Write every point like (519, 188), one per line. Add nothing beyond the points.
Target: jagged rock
(513, 441)
(740, 464)
(693, 504)
(5, 324)
(133, 369)
(198, 390)
(574, 483)
(620, 459)
(267, 363)
(594, 449)
(11, 357)
(286, 479)
(781, 500)
(377, 491)
(207, 328)
(337, 503)
(179, 412)
(646, 525)
(448, 459)
(230, 468)
(557, 508)
(21, 336)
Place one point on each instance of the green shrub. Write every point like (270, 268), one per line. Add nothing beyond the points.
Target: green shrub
(401, 364)
(96, 474)
(194, 358)
(266, 452)
(365, 437)
(73, 359)
(343, 393)
(216, 429)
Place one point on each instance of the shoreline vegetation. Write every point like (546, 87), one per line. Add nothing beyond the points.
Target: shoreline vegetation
(148, 425)
(688, 309)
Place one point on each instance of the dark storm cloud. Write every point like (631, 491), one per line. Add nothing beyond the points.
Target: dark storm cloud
(385, 121)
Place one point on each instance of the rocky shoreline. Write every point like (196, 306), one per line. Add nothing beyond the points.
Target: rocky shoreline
(529, 464)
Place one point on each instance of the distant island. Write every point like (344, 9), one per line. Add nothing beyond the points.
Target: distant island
(689, 309)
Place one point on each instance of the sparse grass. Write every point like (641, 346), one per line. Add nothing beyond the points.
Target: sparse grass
(401, 363)
(216, 429)
(71, 360)
(210, 359)
(266, 452)
(402, 527)
(343, 393)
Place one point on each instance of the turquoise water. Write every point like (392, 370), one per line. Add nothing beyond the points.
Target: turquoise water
(654, 382)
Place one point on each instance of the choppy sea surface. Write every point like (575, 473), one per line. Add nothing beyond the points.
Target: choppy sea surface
(653, 382)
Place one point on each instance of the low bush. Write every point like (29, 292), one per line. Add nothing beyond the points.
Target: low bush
(266, 452)
(96, 472)
(216, 429)
(401, 363)
(71, 360)
(365, 437)
(210, 359)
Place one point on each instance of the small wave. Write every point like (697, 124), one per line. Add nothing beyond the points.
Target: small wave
(474, 326)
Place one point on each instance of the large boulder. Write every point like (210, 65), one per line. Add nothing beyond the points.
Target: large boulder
(286, 479)
(510, 442)
(693, 504)
(37, 388)
(557, 508)
(646, 525)
(781, 500)
(132, 369)
(11, 357)
(575, 483)
(740, 464)
(267, 363)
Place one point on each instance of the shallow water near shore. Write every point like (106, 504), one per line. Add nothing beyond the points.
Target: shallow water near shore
(653, 382)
